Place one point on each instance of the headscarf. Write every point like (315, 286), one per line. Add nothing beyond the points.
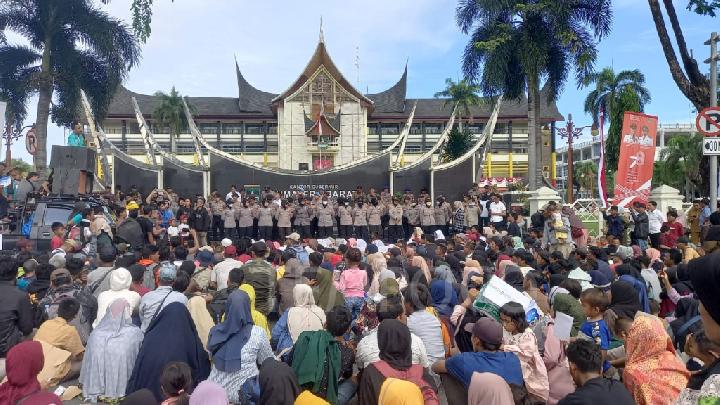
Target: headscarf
(444, 273)
(325, 294)
(653, 254)
(110, 354)
(209, 393)
(624, 299)
(470, 266)
(568, 305)
(444, 297)
(389, 287)
(293, 269)
(258, 318)
(653, 373)
(637, 252)
(420, 262)
(582, 277)
(554, 291)
(502, 266)
(170, 337)
(278, 384)
(489, 389)
(23, 364)
(228, 338)
(515, 279)
(308, 398)
(200, 315)
(305, 315)
(705, 275)
(316, 361)
(395, 391)
(572, 217)
(416, 275)
(394, 343)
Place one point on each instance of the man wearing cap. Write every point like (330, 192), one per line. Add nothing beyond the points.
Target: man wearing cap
(220, 272)
(292, 242)
(153, 302)
(487, 339)
(62, 287)
(98, 280)
(261, 276)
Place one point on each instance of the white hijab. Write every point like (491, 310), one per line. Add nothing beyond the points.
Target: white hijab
(305, 315)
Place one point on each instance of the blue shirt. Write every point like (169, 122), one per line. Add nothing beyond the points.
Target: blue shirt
(506, 365)
(600, 334)
(75, 139)
(704, 214)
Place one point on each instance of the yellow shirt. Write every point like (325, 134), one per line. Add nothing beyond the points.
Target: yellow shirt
(689, 254)
(60, 334)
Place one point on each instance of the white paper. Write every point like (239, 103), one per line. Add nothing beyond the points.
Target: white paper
(563, 325)
(500, 293)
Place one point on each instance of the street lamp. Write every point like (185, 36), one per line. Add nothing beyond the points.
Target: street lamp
(9, 137)
(571, 132)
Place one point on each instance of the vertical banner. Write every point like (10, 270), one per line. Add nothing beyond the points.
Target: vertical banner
(637, 156)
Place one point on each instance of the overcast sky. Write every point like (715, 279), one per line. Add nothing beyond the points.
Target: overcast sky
(193, 44)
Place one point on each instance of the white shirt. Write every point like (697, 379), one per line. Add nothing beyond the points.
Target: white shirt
(230, 195)
(427, 328)
(173, 231)
(221, 271)
(368, 351)
(655, 220)
(483, 205)
(496, 210)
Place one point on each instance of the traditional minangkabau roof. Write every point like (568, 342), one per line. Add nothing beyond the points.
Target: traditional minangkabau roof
(393, 99)
(321, 58)
(322, 126)
(251, 99)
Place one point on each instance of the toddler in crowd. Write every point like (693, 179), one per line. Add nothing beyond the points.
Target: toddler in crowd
(595, 303)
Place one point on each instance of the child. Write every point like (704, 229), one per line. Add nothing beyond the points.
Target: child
(700, 347)
(184, 228)
(523, 343)
(58, 230)
(594, 303)
(173, 230)
(352, 281)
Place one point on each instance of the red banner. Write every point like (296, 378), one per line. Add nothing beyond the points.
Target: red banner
(637, 156)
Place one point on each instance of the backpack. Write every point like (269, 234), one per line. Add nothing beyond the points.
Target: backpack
(50, 304)
(130, 232)
(301, 254)
(104, 240)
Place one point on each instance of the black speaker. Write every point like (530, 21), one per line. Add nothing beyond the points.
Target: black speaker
(73, 157)
(72, 181)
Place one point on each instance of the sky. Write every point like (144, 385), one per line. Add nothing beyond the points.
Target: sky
(193, 45)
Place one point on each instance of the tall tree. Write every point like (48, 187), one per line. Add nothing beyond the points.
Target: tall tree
(171, 113)
(586, 176)
(464, 94)
(516, 44)
(141, 17)
(679, 164)
(73, 45)
(615, 94)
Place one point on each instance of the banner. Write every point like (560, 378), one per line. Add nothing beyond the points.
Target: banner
(637, 156)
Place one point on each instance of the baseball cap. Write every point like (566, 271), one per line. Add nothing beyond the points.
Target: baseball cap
(487, 330)
(293, 236)
(259, 247)
(205, 257)
(132, 205)
(230, 251)
(226, 242)
(168, 271)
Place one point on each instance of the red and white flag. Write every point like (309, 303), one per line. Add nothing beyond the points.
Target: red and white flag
(601, 167)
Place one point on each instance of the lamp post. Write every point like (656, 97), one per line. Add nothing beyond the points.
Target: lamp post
(571, 132)
(9, 136)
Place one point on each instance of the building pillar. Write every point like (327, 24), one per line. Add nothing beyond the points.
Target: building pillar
(667, 197)
(540, 197)
(422, 139)
(265, 134)
(242, 136)
(124, 135)
(510, 149)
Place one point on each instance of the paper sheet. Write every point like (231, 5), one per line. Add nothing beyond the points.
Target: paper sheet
(563, 326)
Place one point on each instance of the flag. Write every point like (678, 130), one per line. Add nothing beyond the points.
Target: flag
(601, 167)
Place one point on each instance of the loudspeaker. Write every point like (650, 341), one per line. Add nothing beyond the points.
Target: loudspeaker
(73, 157)
(72, 181)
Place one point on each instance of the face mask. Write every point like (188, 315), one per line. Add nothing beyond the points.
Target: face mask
(414, 205)
(324, 203)
(266, 204)
(360, 204)
(346, 204)
(428, 204)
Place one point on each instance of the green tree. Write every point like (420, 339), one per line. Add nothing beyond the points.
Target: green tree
(171, 113)
(22, 165)
(516, 44)
(15, 85)
(585, 174)
(73, 45)
(463, 94)
(679, 164)
(459, 141)
(615, 94)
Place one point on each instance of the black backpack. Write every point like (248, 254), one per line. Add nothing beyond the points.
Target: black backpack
(130, 232)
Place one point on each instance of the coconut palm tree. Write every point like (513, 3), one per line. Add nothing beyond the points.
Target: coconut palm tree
(73, 45)
(515, 45)
(464, 94)
(585, 174)
(679, 164)
(615, 94)
(170, 113)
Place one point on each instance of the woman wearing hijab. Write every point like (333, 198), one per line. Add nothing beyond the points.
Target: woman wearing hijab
(120, 281)
(293, 275)
(489, 389)
(653, 374)
(171, 337)
(394, 342)
(325, 294)
(278, 383)
(470, 266)
(624, 302)
(562, 301)
(238, 346)
(258, 318)
(442, 291)
(22, 365)
(209, 393)
(304, 316)
(316, 361)
(420, 263)
(503, 261)
(201, 317)
(399, 392)
(368, 318)
(110, 354)
(631, 275)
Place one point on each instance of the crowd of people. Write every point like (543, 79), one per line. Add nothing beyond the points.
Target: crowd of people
(374, 299)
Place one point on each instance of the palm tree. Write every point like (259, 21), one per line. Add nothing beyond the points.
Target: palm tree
(679, 164)
(586, 176)
(462, 93)
(15, 89)
(514, 45)
(170, 113)
(615, 94)
(73, 45)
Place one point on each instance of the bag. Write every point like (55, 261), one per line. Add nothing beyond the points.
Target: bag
(103, 241)
(576, 232)
(130, 232)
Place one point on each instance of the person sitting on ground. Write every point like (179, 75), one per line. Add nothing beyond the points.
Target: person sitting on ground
(153, 302)
(292, 276)
(58, 333)
(216, 307)
(303, 316)
(23, 364)
(423, 323)
(586, 361)
(278, 383)
(338, 324)
(324, 291)
(16, 310)
(259, 319)
(120, 281)
(176, 383)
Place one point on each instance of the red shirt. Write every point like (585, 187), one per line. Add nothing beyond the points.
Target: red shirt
(56, 242)
(669, 239)
(140, 289)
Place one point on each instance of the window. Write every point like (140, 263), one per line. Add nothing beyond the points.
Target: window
(390, 129)
(416, 129)
(56, 214)
(208, 129)
(232, 129)
(433, 128)
(372, 128)
(254, 129)
(272, 129)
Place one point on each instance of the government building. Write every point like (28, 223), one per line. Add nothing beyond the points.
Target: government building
(321, 120)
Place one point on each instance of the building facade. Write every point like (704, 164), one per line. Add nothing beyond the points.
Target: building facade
(321, 120)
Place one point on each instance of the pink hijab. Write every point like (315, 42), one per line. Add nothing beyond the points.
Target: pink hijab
(503, 262)
(489, 389)
(653, 254)
(470, 266)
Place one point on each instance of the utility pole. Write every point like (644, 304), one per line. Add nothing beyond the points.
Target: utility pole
(713, 103)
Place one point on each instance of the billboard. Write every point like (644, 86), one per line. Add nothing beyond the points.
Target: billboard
(637, 156)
